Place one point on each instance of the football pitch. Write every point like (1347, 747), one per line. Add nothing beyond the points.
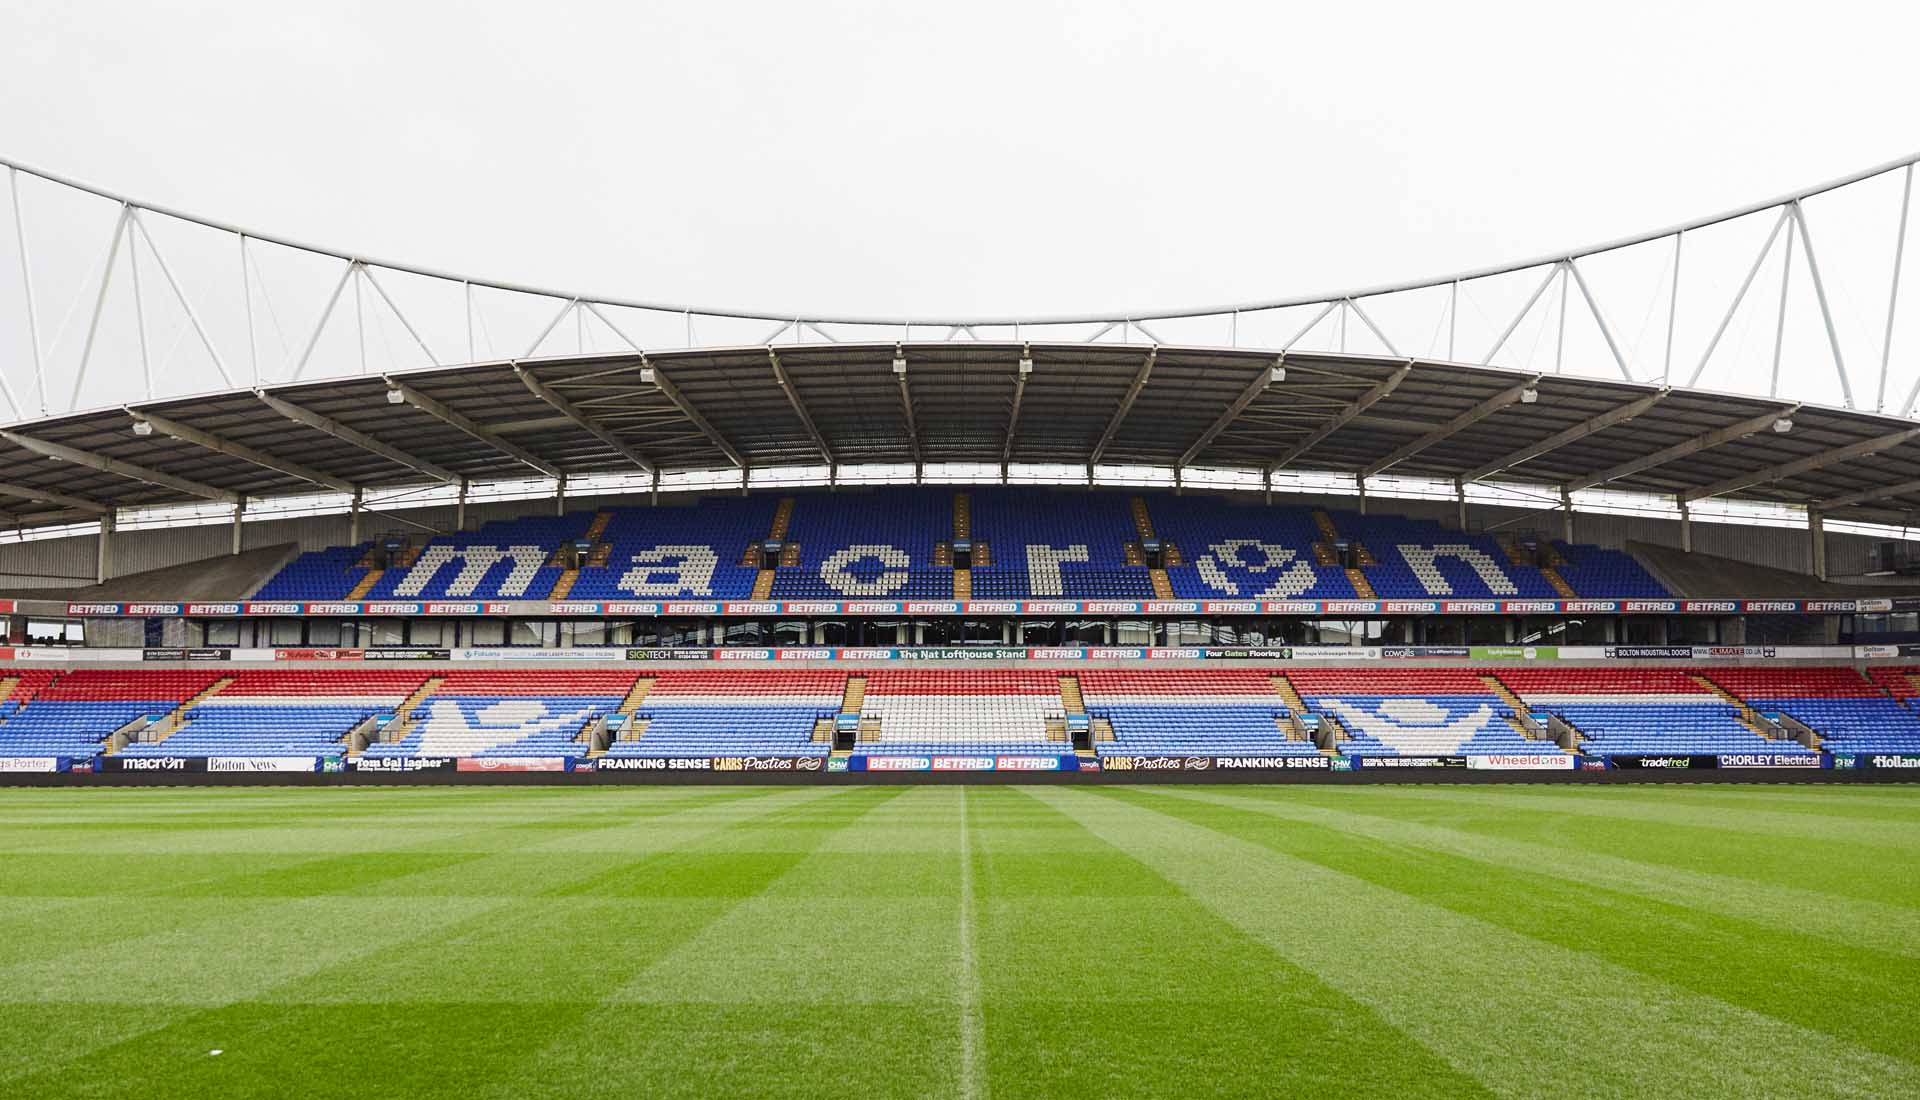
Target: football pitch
(1042, 941)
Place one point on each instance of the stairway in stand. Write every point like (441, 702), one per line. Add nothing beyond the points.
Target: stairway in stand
(597, 554)
(782, 520)
(177, 717)
(1070, 698)
(405, 720)
(1294, 723)
(1143, 525)
(1748, 717)
(1514, 702)
(962, 529)
(1323, 554)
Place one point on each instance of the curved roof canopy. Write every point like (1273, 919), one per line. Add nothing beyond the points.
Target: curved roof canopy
(842, 404)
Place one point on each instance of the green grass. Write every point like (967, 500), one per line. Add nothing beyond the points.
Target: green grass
(864, 942)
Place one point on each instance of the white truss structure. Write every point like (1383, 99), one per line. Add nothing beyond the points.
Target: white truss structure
(179, 303)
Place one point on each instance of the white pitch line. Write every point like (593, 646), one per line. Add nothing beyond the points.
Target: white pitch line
(973, 1084)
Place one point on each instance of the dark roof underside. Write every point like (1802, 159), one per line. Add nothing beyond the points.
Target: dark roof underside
(844, 404)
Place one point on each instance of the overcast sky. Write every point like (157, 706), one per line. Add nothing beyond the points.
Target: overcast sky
(978, 158)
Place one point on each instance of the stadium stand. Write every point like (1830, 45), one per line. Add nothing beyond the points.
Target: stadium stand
(1595, 572)
(1849, 712)
(1418, 559)
(1032, 543)
(1640, 711)
(858, 545)
(1229, 550)
(75, 713)
(284, 713)
(328, 574)
(1200, 712)
(508, 713)
(509, 559)
(698, 712)
(677, 551)
(1414, 712)
(961, 710)
(724, 712)
(1055, 544)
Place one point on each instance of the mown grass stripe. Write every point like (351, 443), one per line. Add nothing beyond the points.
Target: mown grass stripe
(1526, 1018)
(1722, 847)
(630, 1045)
(1102, 979)
(973, 1083)
(121, 1033)
(1648, 804)
(1841, 989)
(1871, 924)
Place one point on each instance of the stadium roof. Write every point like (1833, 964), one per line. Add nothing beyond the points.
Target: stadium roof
(843, 404)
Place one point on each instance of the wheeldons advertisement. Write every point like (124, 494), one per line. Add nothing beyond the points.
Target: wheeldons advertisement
(1539, 762)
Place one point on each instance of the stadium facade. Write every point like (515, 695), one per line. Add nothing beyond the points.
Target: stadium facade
(1208, 586)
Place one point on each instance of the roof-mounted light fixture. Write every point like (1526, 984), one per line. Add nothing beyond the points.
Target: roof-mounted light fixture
(1783, 424)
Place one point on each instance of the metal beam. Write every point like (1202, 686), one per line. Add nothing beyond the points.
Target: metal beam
(1340, 419)
(1254, 389)
(1013, 417)
(1452, 427)
(592, 427)
(672, 393)
(48, 496)
(1126, 405)
(906, 403)
(186, 433)
(119, 468)
(1863, 496)
(1558, 440)
(466, 424)
(1785, 470)
(1715, 438)
(344, 434)
(799, 408)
